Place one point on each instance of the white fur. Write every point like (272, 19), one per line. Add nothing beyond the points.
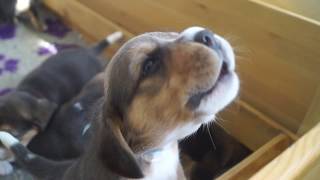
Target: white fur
(85, 129)
(225, 91)
(189, 33)
(3, 153)
(227, 88)
(7, 139)
(22, 6)
(114, 37)
(78, 106)
(5, 168)
(229, 56)
(165, 165)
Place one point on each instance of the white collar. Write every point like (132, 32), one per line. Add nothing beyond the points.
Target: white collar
(152, 155)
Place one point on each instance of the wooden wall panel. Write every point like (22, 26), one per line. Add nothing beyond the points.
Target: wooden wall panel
(281, 74)
(307, 8)
(249, 166)
(299, 161)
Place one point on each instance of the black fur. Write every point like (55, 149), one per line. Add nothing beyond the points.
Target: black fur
(64, 138)
(52, 84)
(7, 11)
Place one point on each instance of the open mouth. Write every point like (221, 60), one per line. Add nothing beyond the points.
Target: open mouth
(195, 99)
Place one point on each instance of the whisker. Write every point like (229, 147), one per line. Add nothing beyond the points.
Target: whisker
(212, 143)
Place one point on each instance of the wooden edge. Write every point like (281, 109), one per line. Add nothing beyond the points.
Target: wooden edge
(312, 116)
(91, 24)
(66, 9)
(268, 120)
(296, 161)
(290, 13)
(258, 159)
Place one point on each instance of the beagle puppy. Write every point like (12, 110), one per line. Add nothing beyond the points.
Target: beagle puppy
(160, 87)
(10, 9)
(68, 130)
(28, 109)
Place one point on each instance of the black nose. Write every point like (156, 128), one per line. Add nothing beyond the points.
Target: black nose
(206, 37)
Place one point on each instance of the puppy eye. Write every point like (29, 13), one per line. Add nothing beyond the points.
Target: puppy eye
(150, 65)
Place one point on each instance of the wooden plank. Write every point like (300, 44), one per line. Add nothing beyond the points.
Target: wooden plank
(313, 174)
(307, 8)
(312, 116)
(92, 25)
(283, 58)
(297, 161)
(246, 126)
(268, 120)
(258, 159)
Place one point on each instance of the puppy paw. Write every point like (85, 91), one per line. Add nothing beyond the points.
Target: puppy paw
(5, 168)
(7, 139)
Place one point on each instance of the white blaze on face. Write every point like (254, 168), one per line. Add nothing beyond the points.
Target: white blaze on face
(189, 34)
(227, 88)
(22, 6)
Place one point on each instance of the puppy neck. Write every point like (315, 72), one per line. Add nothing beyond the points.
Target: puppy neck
(155, 154)
(160, 163)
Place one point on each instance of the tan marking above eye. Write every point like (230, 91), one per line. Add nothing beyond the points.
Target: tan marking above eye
(6, 127)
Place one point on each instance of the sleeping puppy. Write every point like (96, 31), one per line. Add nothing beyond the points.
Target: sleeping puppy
(10, 9)
(27, 110)
(159, 88)
(67, 132)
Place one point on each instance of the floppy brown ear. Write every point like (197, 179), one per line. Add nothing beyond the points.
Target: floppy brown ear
(40, 114)
(116, 153)
(44, 112)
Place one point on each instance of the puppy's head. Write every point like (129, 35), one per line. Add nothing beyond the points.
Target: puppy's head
(160, 87)
(22, 115)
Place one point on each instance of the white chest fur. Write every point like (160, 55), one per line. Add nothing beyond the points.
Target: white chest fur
(164, 166)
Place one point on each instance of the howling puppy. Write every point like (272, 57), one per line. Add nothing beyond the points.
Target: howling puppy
(28, 109)
(159, 88)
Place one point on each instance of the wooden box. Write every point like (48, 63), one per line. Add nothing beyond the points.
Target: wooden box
(278, 48)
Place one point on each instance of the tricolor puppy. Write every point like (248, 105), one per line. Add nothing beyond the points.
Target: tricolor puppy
(28, 109)
(159, 88)
(10, 9)
(68, 131)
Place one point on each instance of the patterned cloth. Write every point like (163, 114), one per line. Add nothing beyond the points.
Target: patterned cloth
(22, 49)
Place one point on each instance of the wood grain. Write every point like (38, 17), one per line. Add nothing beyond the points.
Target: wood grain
(307, 8)
(93, 26)
(258, 159)
(297, 161)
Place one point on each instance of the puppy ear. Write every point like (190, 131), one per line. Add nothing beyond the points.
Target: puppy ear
(117, 154)
(43, 112)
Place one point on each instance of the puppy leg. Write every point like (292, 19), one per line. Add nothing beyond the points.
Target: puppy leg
(36, 23)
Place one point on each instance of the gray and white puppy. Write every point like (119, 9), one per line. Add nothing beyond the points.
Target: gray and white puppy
(28, 109)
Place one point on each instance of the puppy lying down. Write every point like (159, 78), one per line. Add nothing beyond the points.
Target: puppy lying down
(27, 110)
(159, 88)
